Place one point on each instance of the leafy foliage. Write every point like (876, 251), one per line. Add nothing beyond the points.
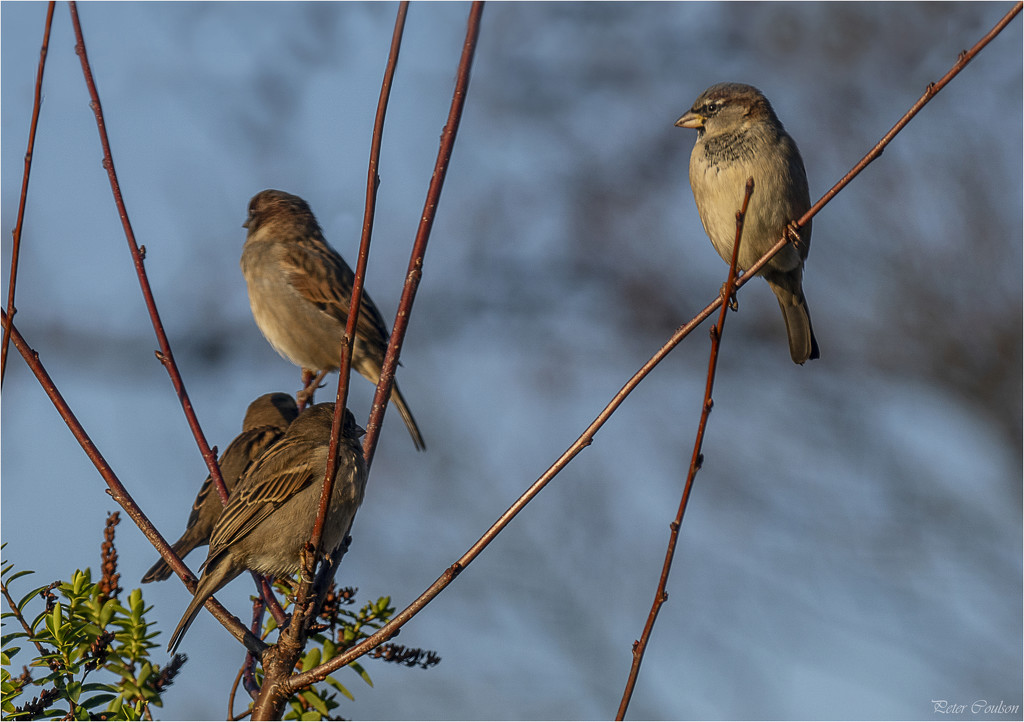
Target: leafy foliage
(93, 649)
(91, 652)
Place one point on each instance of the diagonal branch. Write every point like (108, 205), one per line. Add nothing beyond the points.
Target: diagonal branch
(586, 438)
(16, 249)
(930, 92)
(117, 490)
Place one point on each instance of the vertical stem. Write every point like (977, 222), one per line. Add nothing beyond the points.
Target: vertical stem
(16, 249)
(412, 279)
(697, 458)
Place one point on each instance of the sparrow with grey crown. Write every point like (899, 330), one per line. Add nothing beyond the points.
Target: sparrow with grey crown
(265, 422)
(270, 514)
(300, 289)
(739, 137)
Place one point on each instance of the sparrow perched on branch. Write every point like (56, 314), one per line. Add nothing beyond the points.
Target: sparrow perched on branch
(265, 422)
(739, 137)
(300, 289)
(270, 514)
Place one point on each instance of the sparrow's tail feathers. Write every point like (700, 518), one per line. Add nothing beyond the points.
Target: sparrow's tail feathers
(802, 344)
(218, 573)
(414, 431)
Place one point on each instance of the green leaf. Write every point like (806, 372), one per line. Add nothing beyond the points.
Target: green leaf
(97, 700)
(98, 687)
(54, 620)
(311, 659)
(117, 668)
(315, 701)
(340, 687)
(16, 575)
(137, 606)
(330, 649)
(361, 672)
(107, 612)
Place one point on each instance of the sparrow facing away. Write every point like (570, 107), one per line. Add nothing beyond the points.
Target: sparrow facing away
(270, 514)
(738, 137)
(265, 422)
(299, 291)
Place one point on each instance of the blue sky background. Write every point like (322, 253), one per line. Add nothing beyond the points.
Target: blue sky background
(853, 546)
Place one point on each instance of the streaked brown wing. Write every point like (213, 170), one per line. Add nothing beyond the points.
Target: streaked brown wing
(319, 274)
(282, 472)
(246, 448)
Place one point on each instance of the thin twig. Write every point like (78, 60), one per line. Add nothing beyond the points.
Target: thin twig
(415, 271)
(16, 248)
(247, 673)
(930, 92)
(164, 355)
(399, 620)
(696, 459)
(117, 490)
(372, 181)
(234, 690)
(292, 641)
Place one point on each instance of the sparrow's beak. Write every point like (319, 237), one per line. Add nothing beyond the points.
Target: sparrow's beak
(691, 120)
(246, 224)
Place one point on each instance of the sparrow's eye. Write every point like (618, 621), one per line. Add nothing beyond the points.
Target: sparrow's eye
(710, 108)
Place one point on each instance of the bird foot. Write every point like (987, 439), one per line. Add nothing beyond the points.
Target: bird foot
(307, 562)
(793, 234)
(305, 396)
(734, 304)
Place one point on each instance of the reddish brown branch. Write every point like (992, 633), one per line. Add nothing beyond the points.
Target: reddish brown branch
(165, 356)
(372, 181)
(930, 92)
(272, 696)
(117, 490)
(16, 248)
(268, 705)
(586, 438)
(696, 459)
(415, 271)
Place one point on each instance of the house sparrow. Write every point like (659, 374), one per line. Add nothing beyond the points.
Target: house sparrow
(738, 137)
(299, 290)
(270, 514)
(265, 422)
